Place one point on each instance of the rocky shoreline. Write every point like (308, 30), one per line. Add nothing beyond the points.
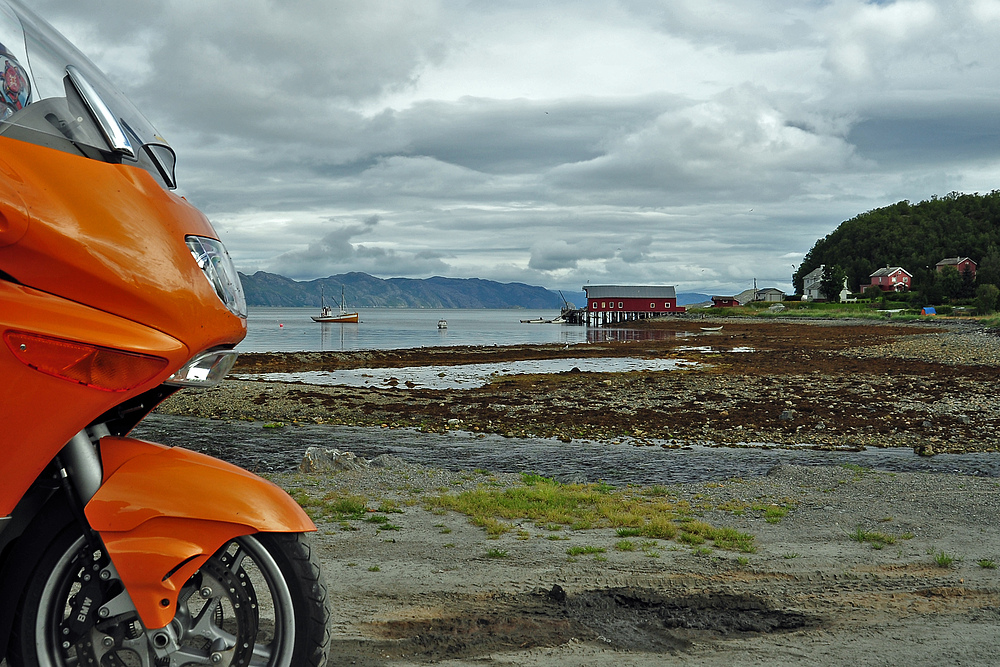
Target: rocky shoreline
(828, 385)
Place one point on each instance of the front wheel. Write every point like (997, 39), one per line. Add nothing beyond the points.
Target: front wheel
(257, 602)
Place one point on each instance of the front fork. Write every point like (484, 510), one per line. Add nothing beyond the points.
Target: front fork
(80, 470)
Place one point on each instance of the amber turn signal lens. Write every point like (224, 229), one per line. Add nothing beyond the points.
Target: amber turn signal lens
(102, 368)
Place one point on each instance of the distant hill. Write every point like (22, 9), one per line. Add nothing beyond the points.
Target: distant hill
(687, 298)
(366, 291)
(915, 237)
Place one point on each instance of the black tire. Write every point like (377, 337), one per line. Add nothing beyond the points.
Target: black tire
(258, 601)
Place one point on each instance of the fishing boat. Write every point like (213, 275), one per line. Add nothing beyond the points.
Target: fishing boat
(442, 324)
(327, 314)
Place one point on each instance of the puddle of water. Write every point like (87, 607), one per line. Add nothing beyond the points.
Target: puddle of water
(708, 349)
(466, 376)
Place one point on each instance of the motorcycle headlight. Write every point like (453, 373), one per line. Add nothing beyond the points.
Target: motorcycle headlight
(204, 370)
(213, 259)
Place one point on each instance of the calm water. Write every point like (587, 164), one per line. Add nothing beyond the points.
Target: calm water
(292, 330)
(252, 446)
(466, 376)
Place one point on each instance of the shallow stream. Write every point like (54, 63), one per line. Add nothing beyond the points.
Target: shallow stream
(261, 449)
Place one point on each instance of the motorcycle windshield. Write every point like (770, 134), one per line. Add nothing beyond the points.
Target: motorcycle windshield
(52, 95)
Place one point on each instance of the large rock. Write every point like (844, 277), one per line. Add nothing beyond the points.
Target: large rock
(317, 459)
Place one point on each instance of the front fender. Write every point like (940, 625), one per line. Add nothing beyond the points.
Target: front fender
(162, 511)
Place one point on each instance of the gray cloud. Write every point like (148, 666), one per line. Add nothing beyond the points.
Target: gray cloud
(702, 143)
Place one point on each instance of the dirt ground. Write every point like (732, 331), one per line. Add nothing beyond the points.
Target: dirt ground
(431, 588)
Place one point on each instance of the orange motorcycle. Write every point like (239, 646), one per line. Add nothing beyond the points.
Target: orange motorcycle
(115, 293)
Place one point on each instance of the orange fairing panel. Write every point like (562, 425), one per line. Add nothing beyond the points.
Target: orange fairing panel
(29, 399)
(107, 235)
(162, 508)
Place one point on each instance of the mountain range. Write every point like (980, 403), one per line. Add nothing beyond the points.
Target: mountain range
(362, 290)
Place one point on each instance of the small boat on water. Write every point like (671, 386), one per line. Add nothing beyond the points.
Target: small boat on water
(327, 314)
(559, 319)
(442, 324)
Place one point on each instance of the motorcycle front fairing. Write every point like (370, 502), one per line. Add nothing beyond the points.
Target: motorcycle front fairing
(110, 284)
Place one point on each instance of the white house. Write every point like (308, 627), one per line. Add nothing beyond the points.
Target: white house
(811, 285)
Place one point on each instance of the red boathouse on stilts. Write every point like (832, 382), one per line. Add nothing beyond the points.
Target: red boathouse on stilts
(614, 304)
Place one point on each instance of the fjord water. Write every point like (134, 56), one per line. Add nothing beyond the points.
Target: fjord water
(292, 330)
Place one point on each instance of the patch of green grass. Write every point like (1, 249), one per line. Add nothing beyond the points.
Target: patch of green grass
(942, 559)
(333, 506)
(389, 507)
(690, 538)
(875, 538)
(630, 512)
(987, 564)
(625, 545)
(374, 568)
(742, 561)
(774, 513)
(497, 553)
(791, 555)
(627, 531)
(582, 551)
(530, 479)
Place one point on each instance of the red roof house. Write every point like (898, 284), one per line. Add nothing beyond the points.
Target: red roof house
(892, 279)
(961, 264)
(725, 302)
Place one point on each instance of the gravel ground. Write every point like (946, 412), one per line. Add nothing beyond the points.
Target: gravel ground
(848, 566)
(426, 589)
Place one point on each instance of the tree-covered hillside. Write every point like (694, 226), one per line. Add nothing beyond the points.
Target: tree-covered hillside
(915, 237)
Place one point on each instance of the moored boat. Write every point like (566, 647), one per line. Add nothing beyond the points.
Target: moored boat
(327, 314)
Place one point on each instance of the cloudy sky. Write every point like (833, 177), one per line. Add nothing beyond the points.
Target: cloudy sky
(696, 143)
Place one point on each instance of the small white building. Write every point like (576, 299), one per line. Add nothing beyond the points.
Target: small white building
(811, 285)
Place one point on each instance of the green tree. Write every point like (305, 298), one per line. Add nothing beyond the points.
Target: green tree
(951, 282)
(968, 289)
(989, 267)
(832, 283)
(986, 298)
(873, 293)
